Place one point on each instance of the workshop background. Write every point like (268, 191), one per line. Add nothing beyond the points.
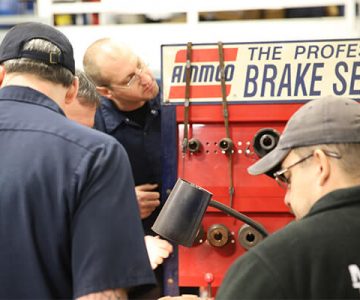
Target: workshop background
(222, 146)
(156, 22)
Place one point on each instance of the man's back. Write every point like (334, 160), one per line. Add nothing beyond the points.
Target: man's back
(57, 221)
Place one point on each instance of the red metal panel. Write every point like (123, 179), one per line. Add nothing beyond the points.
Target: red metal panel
(259, 197)
(196, 261)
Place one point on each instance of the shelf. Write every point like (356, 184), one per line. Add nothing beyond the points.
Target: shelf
(42, 13)
(176, 6)
(191, 8)
(15, 19)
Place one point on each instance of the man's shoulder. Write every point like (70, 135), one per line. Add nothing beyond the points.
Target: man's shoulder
(87, 137)
(286, 240)
(296, 239)
(68, 134)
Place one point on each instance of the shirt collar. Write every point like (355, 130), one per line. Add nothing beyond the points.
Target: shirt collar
(335, 199)
(28, 95)
(113, 117)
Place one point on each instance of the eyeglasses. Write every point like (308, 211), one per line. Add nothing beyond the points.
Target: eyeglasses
(284, 181)
(136, 75)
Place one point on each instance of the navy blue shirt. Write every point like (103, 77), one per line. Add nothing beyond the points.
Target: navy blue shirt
(141, 141)
(67, 203)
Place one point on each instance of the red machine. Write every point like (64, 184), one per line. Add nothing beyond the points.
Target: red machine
(225, 238)
(224, 107)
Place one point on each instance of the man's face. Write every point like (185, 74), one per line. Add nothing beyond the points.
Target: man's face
(131, 80)
(300, 193)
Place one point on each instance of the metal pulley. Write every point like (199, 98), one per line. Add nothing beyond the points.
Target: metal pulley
(218, 235)
(265, 140)
(249, 237)
(226, 145)
(194, 145)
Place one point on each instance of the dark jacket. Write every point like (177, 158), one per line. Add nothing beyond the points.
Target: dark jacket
(142, 143)
(309, 259)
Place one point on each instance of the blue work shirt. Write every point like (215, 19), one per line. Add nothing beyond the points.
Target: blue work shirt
(69, 221)
(142, 143)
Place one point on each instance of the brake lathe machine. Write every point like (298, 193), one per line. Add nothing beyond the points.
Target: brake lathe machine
(224, 106)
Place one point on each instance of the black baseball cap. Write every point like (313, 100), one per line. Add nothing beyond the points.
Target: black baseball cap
(327, 120)
(12, 44)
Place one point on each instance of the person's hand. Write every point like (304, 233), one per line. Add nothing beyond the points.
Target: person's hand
(147, 199)
(158, 249)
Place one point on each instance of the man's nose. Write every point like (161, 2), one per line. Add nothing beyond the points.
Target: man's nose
(145, 78)
(287, 198)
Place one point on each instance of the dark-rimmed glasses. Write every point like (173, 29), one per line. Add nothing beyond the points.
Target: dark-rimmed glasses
(284, 181)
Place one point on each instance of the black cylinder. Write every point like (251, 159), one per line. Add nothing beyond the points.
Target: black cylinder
(181, 216)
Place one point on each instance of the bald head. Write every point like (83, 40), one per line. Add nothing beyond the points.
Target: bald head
(101, 57)
(119, 74)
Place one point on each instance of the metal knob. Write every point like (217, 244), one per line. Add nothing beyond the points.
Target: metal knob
(249, 237)
(226, 145)
(218, 235)
(194, 145)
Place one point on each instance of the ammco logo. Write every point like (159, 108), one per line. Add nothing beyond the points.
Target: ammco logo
(205, 73)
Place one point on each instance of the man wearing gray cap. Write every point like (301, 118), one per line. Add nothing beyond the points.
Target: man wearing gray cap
(317, 161)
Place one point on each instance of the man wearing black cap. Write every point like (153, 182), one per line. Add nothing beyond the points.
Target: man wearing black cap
(67, 197)
(317, 161)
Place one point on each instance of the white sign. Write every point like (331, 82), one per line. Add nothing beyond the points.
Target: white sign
(264, 72)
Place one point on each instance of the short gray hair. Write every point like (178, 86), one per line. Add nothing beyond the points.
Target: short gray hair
(87, 94)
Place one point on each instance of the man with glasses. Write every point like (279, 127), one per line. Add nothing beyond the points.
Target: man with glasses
(317, 161)
(82, 110)
(130, 112)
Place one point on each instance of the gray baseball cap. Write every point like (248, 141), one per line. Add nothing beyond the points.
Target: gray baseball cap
(327, 120)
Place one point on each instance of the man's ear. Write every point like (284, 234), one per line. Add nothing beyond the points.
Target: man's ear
(72, 91)
(323, 164)
(104, 91)
(2, 74)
